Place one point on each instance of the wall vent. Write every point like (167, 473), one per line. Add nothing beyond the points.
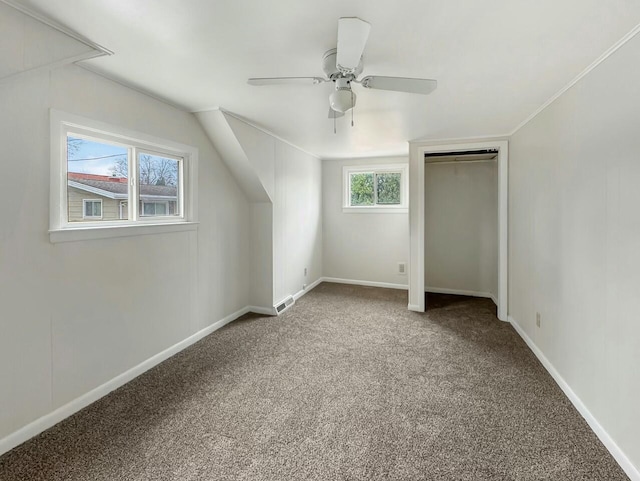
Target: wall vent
(284, 305)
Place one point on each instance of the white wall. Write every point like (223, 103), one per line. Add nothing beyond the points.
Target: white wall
(461, 227)
(361, 246)
(574, 217)
(293, 180)
(297, 220)
(74, 315)
(261, 255)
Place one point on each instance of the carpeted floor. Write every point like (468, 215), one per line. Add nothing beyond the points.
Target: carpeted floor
(347, 384)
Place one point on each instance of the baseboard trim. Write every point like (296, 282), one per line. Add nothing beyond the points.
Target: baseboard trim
(596, 427)
(264, 311)
(48, 420)
(386, 285)
(462, 292)
(414, 307)
(310, 287)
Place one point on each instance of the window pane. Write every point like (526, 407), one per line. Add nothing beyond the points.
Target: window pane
(97, 170)
(361, 189)
(159, 179)
(388, 186)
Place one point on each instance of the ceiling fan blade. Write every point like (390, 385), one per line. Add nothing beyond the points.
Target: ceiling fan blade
(400, 84)
(334, 115)
(352, 37)
(286, 80)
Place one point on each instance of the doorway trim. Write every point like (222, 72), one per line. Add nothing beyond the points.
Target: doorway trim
(417, 150)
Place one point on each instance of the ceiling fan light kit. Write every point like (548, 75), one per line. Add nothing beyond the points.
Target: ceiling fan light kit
(343, 98)
(343, 65)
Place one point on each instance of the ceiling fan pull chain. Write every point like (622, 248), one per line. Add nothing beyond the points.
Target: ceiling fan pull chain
(334, 123)
(353, 107)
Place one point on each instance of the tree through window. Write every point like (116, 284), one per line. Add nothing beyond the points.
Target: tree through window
(375, 187)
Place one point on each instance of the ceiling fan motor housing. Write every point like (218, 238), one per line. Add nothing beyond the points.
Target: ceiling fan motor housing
(330, 67)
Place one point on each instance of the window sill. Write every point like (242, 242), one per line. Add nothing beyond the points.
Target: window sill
(375, 210)
(74, 234)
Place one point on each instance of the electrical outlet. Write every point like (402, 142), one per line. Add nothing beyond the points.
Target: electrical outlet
(305, 272)
(304, 286)
(402, 268)
(538, 319)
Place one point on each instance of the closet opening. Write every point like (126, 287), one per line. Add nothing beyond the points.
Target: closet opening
(461, 225)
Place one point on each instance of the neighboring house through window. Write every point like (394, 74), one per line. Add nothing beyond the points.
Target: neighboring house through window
(106, 176)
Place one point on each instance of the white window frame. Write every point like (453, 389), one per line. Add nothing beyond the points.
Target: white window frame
(61, 230)
(401, 208)
(84, 209)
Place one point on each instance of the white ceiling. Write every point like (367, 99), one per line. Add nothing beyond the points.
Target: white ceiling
(496, 61)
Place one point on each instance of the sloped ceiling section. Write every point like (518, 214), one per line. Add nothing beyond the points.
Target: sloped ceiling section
(29, 42)
(225, 134)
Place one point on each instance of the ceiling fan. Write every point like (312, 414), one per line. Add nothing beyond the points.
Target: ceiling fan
(343, 64)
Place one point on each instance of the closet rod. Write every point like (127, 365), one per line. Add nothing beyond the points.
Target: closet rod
(461, 161)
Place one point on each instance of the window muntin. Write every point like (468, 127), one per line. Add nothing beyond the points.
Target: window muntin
(92, 209)
(375, 188)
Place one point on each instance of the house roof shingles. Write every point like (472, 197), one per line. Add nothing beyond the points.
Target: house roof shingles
(119, 185)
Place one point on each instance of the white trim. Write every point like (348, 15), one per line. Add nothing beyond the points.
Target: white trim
(91, 54)
(455, 140)
(305, 290)
(56, 26)
(48, 420)
(73, 234)
(634, 31)
(61, 123)
(417, 208)
(596, 427)
(414, 307)
(386, 285)
(461, 292)
(95, 52)
(375, 209)
(265, 311)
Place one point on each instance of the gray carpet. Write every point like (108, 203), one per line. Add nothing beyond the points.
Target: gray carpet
(347, 384)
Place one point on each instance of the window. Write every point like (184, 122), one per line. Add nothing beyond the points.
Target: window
(375, 188)
(92, 208)
(155, 208)
(108, 177)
